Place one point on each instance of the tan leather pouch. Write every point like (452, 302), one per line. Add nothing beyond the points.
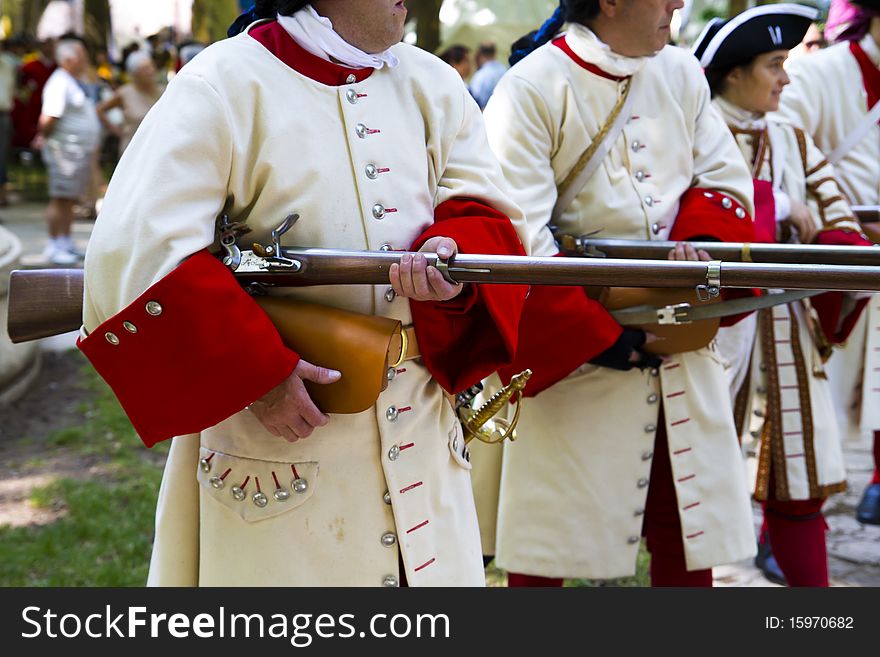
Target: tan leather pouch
(362, 347)
(671, 338)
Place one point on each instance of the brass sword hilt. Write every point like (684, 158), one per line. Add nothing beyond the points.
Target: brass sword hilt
(476, 425)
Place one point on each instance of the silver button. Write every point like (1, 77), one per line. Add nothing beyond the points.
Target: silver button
(352, 96)
(128, 326)
(647, 456)
(632, 540)
(455, 443)
(351, 79)
(655, 372)
(205, 464)
(260, 500)
(656, 228)
(154, 308)
(389, 539)
(392, 414)
(761, 390)
(636, 146)
(652, 399)
(281, 494)
(390, 294)
(238, 493)
(650, 428)
(386, 248)
(740, 213)
(649, 201)
(708, 194)
(642, 483)
(111, 338)
(640, 175)
(726, 203)
(378, 211)
(371, 171)
(763, 367)
(394, 453)
(216, 482)
(299, 486)
(759, 413)
(755, 434)
(389, 581)
(639, 512)
(361, 130)
(387, 498)
(391, 373)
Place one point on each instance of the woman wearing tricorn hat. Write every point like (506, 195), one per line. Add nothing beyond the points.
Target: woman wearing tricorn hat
(833, 97)
(799, 459)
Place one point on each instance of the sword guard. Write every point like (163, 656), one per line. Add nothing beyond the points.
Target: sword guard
(477, 424)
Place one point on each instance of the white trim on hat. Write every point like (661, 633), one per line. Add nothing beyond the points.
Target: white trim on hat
(705, 31)
(784, 8)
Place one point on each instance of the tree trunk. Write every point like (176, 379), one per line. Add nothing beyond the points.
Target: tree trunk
(211, 18)
(427, 17)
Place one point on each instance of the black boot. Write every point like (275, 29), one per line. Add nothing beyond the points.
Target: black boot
(766, 562)
(868, 510)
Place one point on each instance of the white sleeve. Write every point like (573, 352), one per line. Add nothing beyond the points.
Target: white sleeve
(55, 96)
(520, 130)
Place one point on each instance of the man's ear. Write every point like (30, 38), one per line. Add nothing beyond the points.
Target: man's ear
(609, 7)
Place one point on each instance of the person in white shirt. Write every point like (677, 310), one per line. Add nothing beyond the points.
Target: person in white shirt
(69, 136)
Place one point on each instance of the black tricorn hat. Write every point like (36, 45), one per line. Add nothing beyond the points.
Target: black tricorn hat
(755, 31)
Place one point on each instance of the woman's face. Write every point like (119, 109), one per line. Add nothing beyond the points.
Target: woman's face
(758, 86)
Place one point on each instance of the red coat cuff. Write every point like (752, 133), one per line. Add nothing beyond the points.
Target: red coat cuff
(464, 340)
(174, 356)
(829, 306)
(561, 329)
(705, 213)
(709, 214)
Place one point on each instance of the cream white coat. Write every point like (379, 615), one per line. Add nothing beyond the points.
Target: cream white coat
(827, 98)
(574, 485)
(240, 130)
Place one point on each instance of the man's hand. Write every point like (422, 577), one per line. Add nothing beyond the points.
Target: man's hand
(287, 411)
(684, 251)
(802, 222)
(414, 279)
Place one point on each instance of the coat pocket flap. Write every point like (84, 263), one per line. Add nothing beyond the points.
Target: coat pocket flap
(256, 489)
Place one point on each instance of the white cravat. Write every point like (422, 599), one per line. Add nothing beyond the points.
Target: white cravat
(589, 47)
(315, 33)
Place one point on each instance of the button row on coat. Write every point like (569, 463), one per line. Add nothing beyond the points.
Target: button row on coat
(153, 308)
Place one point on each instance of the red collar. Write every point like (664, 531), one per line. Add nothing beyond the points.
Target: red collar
(870, 73)
(277, 41)
(562, 44)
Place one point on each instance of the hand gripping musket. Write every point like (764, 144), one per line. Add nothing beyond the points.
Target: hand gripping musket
(49, 301)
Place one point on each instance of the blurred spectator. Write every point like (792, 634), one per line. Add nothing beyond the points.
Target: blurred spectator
(32, 80)
(459, 58)
(103, 67)
(134, 99)
(188, 50)
(489, 72)
(813, 42)
(9, 65)
(69, 135)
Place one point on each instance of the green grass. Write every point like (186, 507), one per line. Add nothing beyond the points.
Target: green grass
(104, 534)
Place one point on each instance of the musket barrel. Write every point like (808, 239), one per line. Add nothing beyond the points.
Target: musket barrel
(867, 213)
(803, 254)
